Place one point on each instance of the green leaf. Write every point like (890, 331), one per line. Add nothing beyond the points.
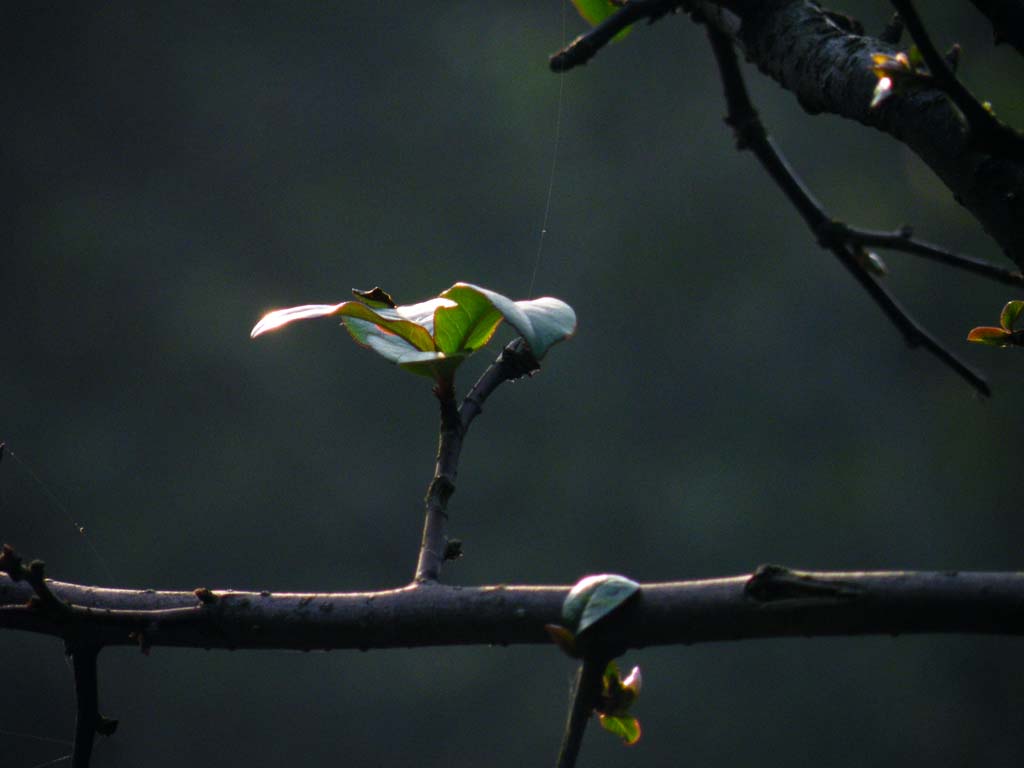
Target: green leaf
(434, 337)
(541, 322)
(626, 728)
(595, 11)
(469, 324)
(594, 597)
(993, 337)
(1011, 312)
(405, 322)
(618, 695)
(434, 365)
(408, 323)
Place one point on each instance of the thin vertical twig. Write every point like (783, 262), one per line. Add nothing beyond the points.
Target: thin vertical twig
(585, 693)
(89, 721)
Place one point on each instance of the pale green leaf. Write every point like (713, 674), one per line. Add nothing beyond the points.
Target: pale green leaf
(594, 597)
(626, 728)
(541, 322)
(1011, 312)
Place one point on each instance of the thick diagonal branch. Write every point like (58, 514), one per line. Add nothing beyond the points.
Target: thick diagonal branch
(845, 242)
(1007, 17)
(829, 69)
(827, 64)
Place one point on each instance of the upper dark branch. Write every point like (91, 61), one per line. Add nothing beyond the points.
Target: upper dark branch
(829, 69)
(1007, 17)
(583, 48)
(828, 66)
(845, 242)
(985, 127)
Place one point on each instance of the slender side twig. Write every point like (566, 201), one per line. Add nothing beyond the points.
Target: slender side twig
(903, 240)
(585, 693)
(89, 721)
(985, 126)
(428, 567)
(585, 47)
(514, 361)
(838, 238)
(1007, 17)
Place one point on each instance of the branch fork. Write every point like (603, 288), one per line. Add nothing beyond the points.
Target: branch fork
(515, 361)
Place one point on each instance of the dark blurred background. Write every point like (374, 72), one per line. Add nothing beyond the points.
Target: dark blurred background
(731, 398)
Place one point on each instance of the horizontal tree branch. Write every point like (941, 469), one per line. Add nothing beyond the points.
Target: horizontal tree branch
(772, 602)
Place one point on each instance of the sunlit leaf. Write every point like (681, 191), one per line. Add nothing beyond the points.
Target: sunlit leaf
(595, 11)
(541, 322)
(281, 317)
(594, 597)
(618, 695)
(626, 728)
(633, 681)
(469, 324)
(993, 337)
(1008, 317)
(414, 323)
(434, 337)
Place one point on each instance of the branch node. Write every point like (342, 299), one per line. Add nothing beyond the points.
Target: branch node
(771, 583)
(205, 595)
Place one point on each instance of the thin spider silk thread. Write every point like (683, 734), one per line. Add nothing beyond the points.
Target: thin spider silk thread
(79, 528)
(554, 165)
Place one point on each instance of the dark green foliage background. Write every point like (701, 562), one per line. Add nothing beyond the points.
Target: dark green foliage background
(731, 397)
